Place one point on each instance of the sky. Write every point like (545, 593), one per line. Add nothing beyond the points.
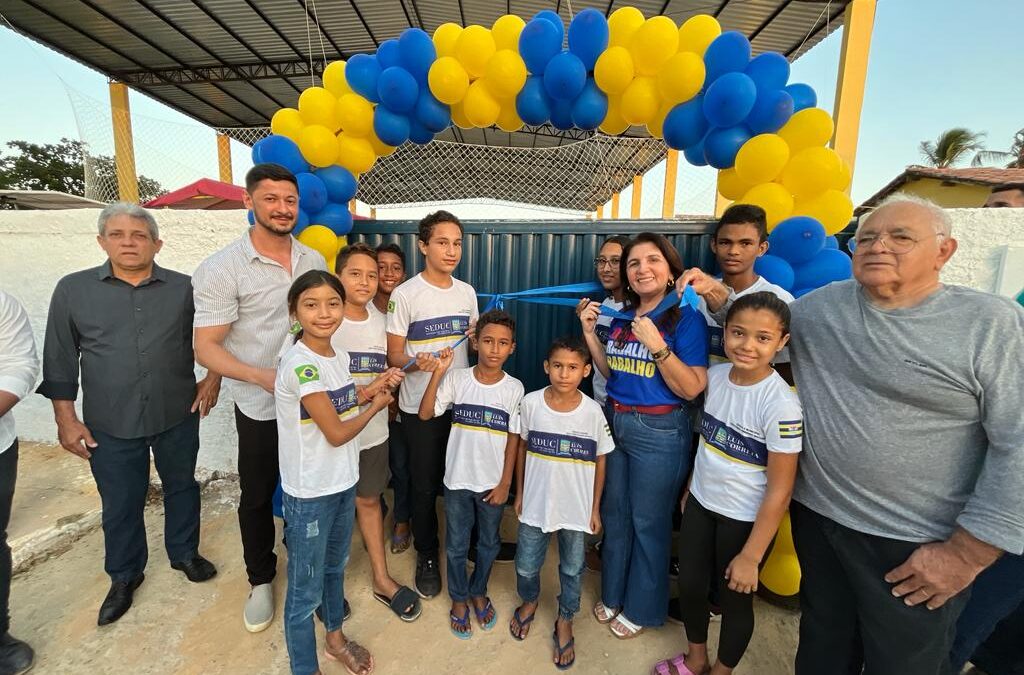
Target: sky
(934, 64)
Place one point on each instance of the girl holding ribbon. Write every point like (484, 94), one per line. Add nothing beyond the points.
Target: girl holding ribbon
(656, 361)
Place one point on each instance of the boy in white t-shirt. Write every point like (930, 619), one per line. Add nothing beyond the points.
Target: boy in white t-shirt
(362, 336)
(560, 476)
(480, 461)
(428, 313)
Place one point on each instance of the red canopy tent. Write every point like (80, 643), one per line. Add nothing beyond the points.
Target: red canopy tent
(205, 193)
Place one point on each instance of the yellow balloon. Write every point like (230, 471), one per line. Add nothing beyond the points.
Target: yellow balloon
(474, 49)
(807, 128)
(355, 154)
(845, 177)
(318, 145)
(342, 243)
(640, 101)
(481, 108)
(614, 123)
(812, 171)
(459, 116)
(320, 239)
(622, 24)
(731, 186)
(653, 44)
(681, 78)
(448, 80)
(614, 70)
(334, 79)
(773, 198)
(380, 148)
(508, 118)
(354, 114)
(655, 126)
(762, 159)
(781, 571)
(832, 208)
(287, 122)
(506, 74)
(445, 38)
(697, 33)
(316, 105)
(506, 32)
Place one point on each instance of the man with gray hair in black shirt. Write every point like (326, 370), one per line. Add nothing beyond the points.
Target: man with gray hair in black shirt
(126, 326)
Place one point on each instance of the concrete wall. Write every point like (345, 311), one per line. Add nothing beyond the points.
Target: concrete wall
(948, 195)
(39, 247)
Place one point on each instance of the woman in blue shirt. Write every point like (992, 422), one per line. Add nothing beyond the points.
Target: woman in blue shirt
(655, 363)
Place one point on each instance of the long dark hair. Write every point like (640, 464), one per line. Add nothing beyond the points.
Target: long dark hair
(306, 281)
(670, 317)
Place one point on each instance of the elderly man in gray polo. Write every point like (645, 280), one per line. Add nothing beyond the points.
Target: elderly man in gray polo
(913, 462)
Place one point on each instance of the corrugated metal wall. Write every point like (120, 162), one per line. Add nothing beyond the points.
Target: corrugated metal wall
(505, 256)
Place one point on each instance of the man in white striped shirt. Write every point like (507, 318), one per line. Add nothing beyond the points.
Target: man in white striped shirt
(241, 322)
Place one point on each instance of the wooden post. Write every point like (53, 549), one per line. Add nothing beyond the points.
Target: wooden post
(615, 206)
(638, 193)
(124, 146)
(224, 158)
(858, 23)
(668, 199)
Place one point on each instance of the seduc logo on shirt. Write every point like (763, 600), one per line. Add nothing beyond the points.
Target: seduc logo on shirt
(307, 373)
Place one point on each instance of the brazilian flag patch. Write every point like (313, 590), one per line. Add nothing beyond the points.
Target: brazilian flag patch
(391, 306)
(307, 373)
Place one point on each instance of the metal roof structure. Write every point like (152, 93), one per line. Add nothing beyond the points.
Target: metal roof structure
(230, 64)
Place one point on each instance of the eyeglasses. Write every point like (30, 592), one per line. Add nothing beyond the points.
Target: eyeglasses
(897, 244)
(607, 262)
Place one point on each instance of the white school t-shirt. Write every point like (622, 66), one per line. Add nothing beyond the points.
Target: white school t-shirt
(483, 415)
(366, 344)
(739, 427)
(310, 466)
(429, 318)
(603, 328)
(561, 460)
(716, 338)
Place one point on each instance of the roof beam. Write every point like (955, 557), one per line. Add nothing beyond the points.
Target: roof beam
(267, 70)
(814, 31)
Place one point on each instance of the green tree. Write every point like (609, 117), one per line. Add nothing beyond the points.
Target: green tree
(1011, 159)
(61, 167)
(951, 147)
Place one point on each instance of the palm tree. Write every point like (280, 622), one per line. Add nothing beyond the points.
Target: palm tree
(1012, 158)
(952, 146)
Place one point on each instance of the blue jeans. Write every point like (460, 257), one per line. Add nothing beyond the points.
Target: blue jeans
(319, 531)
(642, 482)
(994, 595)
(120, 467)
(463, 508)
(530, 553)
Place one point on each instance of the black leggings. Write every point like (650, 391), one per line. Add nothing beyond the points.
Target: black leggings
(708, 542)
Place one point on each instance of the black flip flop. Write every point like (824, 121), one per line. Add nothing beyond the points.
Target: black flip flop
(562, 649)
(520, 623)
(404, 603)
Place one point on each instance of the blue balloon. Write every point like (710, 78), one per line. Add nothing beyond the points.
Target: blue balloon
(281, 150)
(251, 217)
(335, 216)
(590, 107)
(538, 44)
(340, 183)
(695, 154)
(312, 192)
(532, 103)
(362, 72)
(565, 76)
(552, 17)
(832, 242)
(827, 266)
(775, 270)
(388, 54)
(771, 111)
(561, 114)
(685, 125)
(803, 96)
(398, 89)
(301, 222)
(390, 127)
(729, 100)
(419, 134)
(417, 51)
(431, 113)
(768, 71)
(588, 36)
(721, 145)
(801, 292)
(797, 239)
(727, 53)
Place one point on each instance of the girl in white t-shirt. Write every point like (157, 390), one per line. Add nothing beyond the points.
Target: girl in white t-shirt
(318, 420)
(751, 434)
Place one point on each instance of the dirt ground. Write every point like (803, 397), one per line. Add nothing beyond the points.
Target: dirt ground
(179, 627)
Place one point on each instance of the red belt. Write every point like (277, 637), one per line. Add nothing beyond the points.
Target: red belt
(643, 409)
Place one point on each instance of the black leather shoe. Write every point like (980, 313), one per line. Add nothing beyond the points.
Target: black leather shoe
(16, 657)
(118, 600)
(197, 569)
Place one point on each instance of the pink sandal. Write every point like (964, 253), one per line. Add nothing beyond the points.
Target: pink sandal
(679, 661)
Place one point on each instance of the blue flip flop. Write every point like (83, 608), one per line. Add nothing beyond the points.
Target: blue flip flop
(562, 649)
(481, 613)
(461, 623)
(520, 624)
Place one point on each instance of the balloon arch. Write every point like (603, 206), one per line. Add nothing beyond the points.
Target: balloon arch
(693, 86)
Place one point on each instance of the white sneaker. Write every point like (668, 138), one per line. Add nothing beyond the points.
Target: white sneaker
(259, 608)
